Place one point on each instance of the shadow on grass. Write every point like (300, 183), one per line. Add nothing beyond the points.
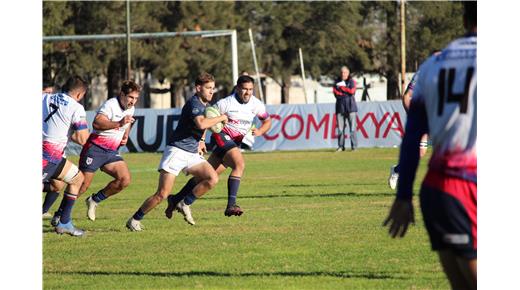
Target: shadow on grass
(285, 195)
(339, 274)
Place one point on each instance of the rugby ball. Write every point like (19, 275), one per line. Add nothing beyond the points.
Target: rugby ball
(212, 112)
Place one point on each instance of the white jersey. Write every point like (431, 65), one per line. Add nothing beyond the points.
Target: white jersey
(447, 86)
(110, 139)
(240, 115)
(61, 115)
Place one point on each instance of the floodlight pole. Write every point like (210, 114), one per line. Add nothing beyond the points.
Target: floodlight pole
(128, 46)
(234, 56)
(256, 66)
(403, 47)
(303, 75)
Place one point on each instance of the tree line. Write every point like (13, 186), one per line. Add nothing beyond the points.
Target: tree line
(362, 35)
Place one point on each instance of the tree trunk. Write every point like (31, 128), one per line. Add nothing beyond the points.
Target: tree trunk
(114, 75)
(286, 85)
(392, 86)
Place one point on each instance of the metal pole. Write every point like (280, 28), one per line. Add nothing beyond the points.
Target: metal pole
(403, 47)
(303, 75)
(234, 56)
(128, 51)
(256, 65)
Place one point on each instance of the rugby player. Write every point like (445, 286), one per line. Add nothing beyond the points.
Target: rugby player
(111, 125)
(62, 113)
(184, 151)
(241, 107)
(444, 105)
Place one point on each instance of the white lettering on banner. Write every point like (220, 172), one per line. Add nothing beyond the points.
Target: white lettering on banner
(294, 127)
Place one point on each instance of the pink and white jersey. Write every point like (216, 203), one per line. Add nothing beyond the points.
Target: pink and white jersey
(240, 115)
(114, 111)
(61, 116)
(447, 86)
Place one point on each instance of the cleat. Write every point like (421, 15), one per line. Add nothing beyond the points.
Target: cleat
(68, 228)
(46, 215)
(134, 225)
(340, 149)
(393, 178)
(186, 212)
(55, 220)
(168, 212)
(91, 208)
(233, 210)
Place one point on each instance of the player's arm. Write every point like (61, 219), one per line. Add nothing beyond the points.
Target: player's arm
(407, 97)
(101, 122)
(202, 144)
(402, 212)
(204, 123)
(80, 136)
(124, 140)
(266, 125)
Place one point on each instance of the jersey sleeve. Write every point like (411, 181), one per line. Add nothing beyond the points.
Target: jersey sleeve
(222, 105)
(106, 110)
(196, 110)
(79, 119)
(260, 111)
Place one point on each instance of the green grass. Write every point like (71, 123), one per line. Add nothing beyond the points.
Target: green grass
(312, 221)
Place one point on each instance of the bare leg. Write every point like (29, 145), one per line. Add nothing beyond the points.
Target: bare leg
(118, 170)
(462, 273)
(166, 181)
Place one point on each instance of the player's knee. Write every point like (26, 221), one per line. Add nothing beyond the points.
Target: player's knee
(124, 182)
(74, 176)
(212, 181)
(161, 195)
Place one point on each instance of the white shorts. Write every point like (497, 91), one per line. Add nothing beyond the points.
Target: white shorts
(175, 159)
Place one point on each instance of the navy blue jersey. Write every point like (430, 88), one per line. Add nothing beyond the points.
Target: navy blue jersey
(186, 136)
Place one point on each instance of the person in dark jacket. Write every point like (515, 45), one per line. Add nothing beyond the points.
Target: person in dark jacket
(346, 108)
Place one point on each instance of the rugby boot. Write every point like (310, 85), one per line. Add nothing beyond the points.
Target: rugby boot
(233, 210)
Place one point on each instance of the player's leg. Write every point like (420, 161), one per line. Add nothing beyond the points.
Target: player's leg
(52, 189)
(119, 171)
(449, 210)
(172, 162)
(461, 272)
(423, 145)
(340, 121)
(234, 159)
(166, 181)
(174, 200)
(74, 178)
(352, 124)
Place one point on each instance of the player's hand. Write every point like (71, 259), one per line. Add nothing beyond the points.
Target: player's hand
(124, 140)
(224, 119)
(126, 120)
(202, 148)
(256, 132)
(400, 216)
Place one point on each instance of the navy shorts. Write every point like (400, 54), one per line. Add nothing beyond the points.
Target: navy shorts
(94, 157)
(449, 208)
(52, 170)
(222, 143)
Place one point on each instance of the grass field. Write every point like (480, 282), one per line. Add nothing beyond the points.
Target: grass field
(312, 221)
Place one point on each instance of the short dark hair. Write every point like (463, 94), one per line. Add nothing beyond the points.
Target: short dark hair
(245, 79)
(470, 13)
(75, 83)
(130, 86)
(204, 78)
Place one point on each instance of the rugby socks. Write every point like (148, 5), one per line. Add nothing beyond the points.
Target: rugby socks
(187, 189)
(233, 184)
(138, 215)
(190, 198)
(50, 198)
(62, 204)
(69, 200)
(98, 197)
